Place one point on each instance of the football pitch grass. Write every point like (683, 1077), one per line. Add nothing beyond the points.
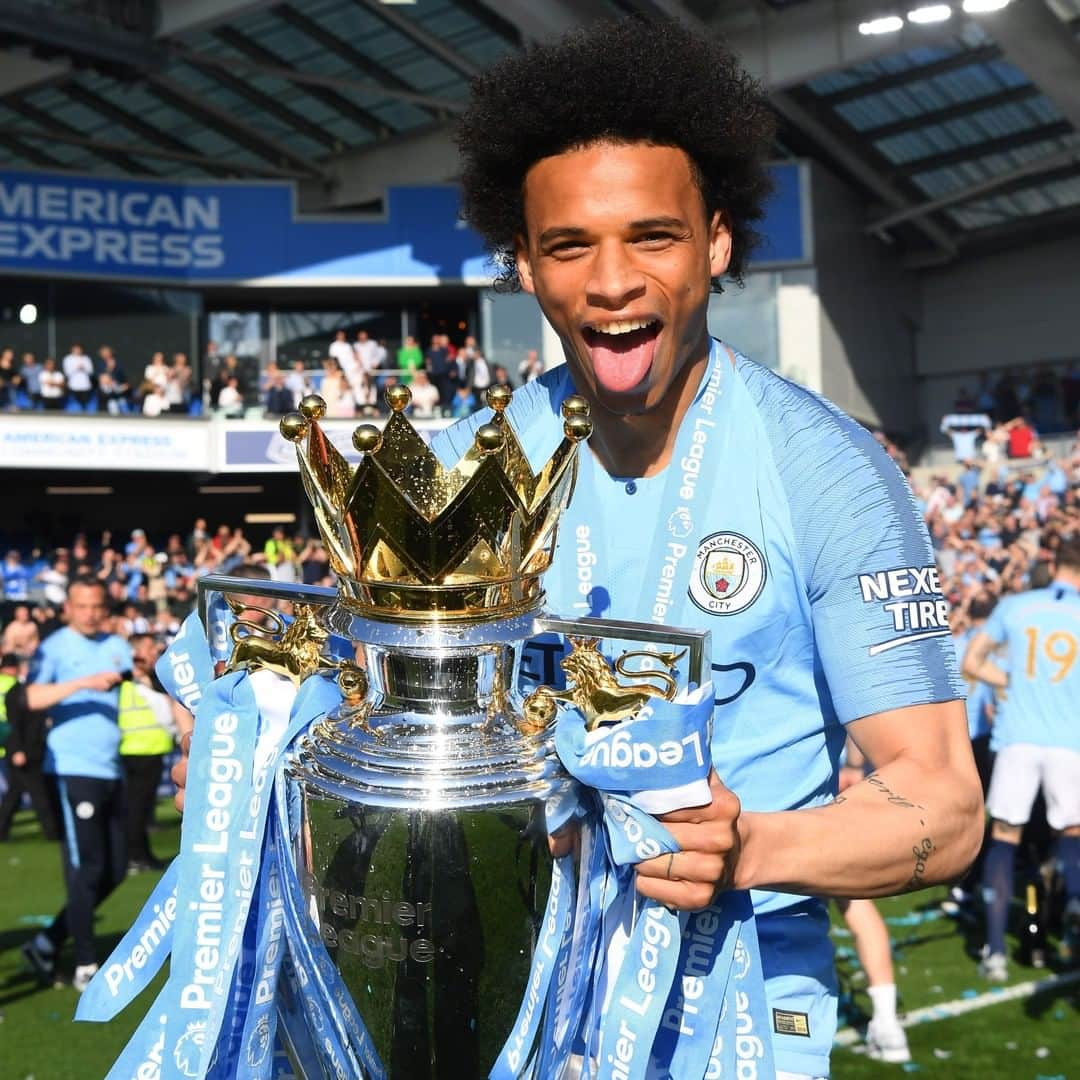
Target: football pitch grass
(1036, 1038)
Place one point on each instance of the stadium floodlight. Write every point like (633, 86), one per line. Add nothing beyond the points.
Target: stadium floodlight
(28, 314)
(886, 24)
(981, 7)
(931, 13)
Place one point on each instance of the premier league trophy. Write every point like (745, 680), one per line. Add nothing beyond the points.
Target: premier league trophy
(417, 808)
(364, 887)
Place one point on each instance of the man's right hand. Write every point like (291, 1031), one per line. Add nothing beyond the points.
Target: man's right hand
(18, 759)
(103, 680)
(179, 771)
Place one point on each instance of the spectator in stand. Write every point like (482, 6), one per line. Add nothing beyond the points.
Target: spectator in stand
(336, 391)
(227, 368)
(178, 387)
(54, 578)
(500, 376)
(31, 379)
(531, 367)
(231, 401)
(1023, 438)
(279, 399)
(280, 556)
(464, 403)
(79, 373)
(298, 383)
(964, 428)
(20, 636)
(410, 358)
(16, 578)
(10, 380)
(442, 371)
(112, 383)
(343, 353)
(314, 563)
(25, 751)
(425, 396)
(367, 363)
(157, 372)
(53, 386)
(154, 400)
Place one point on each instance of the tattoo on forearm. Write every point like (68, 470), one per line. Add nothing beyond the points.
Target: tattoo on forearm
(875, 781)
(922, 852)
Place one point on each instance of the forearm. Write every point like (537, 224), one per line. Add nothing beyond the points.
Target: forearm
(986, 671)
(903, 828)
(40, 696)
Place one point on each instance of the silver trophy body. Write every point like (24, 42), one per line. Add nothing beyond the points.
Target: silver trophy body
(421, 843)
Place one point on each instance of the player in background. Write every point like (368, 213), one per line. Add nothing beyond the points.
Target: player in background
(75, 675)
(981, 706)
(885, 1038)
(1037, 739)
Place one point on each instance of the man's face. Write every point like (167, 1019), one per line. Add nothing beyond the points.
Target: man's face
(85, 608)
(620, 254)
(145, 653)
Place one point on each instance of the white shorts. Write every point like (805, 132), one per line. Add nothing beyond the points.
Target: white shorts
(1020, 769)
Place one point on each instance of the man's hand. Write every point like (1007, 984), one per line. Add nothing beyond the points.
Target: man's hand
(18, 759)
(711, 844)
(179, 771)
(103, 680)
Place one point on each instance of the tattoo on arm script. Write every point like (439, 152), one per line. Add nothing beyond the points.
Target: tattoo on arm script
(922, 852)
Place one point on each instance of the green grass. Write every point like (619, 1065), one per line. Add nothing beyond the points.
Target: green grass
(39, 1039)
(933, 965)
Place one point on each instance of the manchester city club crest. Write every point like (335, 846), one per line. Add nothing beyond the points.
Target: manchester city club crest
(729, 574)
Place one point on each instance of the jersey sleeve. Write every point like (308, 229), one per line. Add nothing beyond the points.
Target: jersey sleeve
(42, 665)
(994, 627)
(881, 622)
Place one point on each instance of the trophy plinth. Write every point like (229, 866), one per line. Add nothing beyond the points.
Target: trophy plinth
(420, 839)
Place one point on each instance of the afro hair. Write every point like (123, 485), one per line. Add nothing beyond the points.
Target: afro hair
(621, 81)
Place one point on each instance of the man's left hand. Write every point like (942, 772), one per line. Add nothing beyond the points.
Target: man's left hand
(710, 847)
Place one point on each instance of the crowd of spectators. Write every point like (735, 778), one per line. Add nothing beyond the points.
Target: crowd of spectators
(150, 588)
(997, 521)
(81, 383)
(447, 380)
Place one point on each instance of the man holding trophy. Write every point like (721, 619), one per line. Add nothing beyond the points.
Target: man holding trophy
(616, 175)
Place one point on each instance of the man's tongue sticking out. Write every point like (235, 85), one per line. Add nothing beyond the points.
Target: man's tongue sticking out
(621, 362)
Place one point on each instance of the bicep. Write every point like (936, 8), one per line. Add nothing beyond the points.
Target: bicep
(935, 736)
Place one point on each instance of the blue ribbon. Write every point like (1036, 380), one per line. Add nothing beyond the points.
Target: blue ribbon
(688, 999)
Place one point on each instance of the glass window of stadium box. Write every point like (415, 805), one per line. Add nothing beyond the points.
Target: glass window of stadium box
(135, 321)
(24, 328)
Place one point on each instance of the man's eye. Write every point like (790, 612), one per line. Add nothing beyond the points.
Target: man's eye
(654, 237)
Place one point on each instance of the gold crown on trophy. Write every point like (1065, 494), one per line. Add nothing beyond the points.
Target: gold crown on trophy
(410, 539)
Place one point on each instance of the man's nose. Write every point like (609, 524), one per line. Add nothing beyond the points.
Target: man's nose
(614, 280)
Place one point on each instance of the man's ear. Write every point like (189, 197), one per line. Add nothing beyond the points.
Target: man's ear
(524, 266)
(720, 244)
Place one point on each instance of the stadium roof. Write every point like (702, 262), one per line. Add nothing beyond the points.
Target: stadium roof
(963, 132)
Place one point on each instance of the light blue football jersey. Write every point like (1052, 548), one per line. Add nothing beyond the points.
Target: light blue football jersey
(980, 695)
(1040, 631)
(84, 739)
(814, 574)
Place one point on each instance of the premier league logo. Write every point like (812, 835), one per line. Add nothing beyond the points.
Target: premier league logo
(259, 1042)
(187, 1050)
(729, 574)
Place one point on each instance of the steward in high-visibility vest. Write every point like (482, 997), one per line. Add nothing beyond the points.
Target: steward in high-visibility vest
(141, 730)
(7, 681)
